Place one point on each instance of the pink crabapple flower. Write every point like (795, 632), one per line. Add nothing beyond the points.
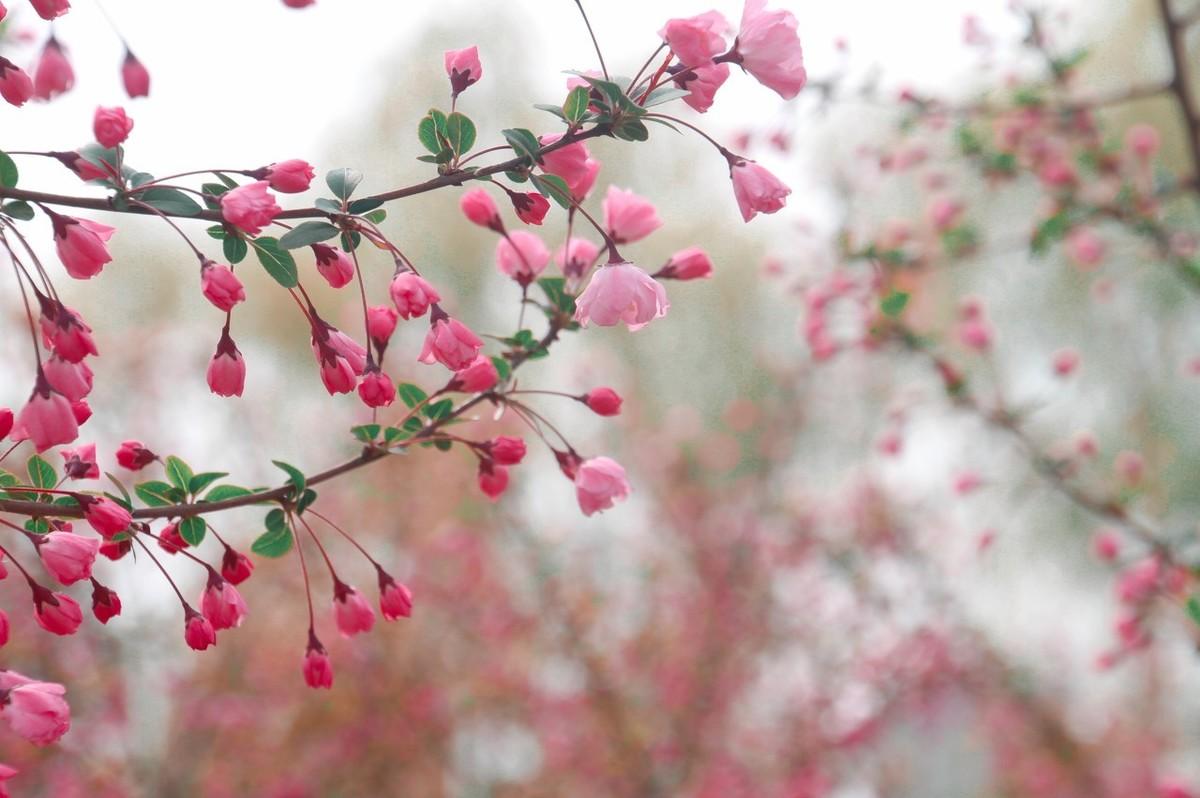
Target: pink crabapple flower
(116, 549)
(479, 208)
(768, 48)
(354, 353)
(65, 332)
(16, 87)
(290, 177)
(226, 373)
(412, 294)
(449, 342)
(493, 479)
(135, 77)
(337, 375)
(628, 217)
(395, 599)
(530, 207)
(249, 208)
(463, 68)
(756, 189)
(352, 611)
(81, 245)
(480, 375)
(221, 286)
(318, 670)
(376, 389)
(57, 613)
(82, 411)
(169, 539)
(198, 631)
(695, 40)
(4, 628)
(334, 265)
(1143, 140)
(571, 161)
(106, 604)
(53, 75)
(702, 83)
(49, 9)
(66, 556)
(72, 380)
(80, 462)
(599, 483)
(134, 456)
(522, 256)
(111, 126)
(222, 604)
(6, 422)
(36, 711)
(1085, 247)
(692, 263)
(105, 516)
(576, 256)
(235, 566)
(506, 450)
(46, 419)
(1065, 362)
(603, 401)
(621, 292)
(583, 187)
(381, 323)
(298, 3)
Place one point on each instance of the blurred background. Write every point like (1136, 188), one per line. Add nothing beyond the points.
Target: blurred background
(787, 605)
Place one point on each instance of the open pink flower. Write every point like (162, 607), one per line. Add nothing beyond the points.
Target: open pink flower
(67, 556)
(111, 126)
(65, 331)
(249, 208)
(80, 463)
(756, 189)
(221, 286)
(450, 342)
(57, 613)
(227, 370)
(318, 670)
(480, 375)
(16, 87)
(412, 294)
(522, 256)
(628, 217)
(37, 711)
(46, 419)
(768, 48)
(54, 74)
(135, 76)
(587, 179)
(479, 207)
(599, 483)
(222, 604)
(49, 9)
(621, 292)
(334, 265)
(81, 245)
(463, 68)
(290, 177)
(570, 162)
(702, 83)
(72, 380)
(695, 40)
(352, 611)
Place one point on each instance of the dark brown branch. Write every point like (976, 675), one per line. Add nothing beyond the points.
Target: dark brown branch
(1181, 80)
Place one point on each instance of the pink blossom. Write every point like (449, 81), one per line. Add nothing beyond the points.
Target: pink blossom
(227, 370)
(298, 3)
(576, 257)
(106, 516)
(49, 9)
(135, 76)
(222, 604)
(346, 347)
(1066, 361)
(522, 256)
(351, 610)
(395, 599)
(334, 265)
(967, 482)
(46, 419)
(318, 670)
(116, 549)
(6, 422)
(756, 189)
(621, 292)
(702, 83)
(53, 75)
(381, 323)
(235, 566)
(376, 389)
(134, 456)
(82, 411)
(493, 479)
(81, 245)
(67, 556)
(111, 126)
(65, 332)
(1130, 466)
(412, 294)
(628, 217)
(603, 401)
(57, 613)
(975, 333)
(6, 772)
(692, 263)
(768, 48)
(106, 604)
(1106, 545)
(571, 162)
(463, 69)
(249, 208)
(37, 711)
(506, 450)
(695, 40)
(581, 188)
(336, 372)
(944, 213)
(80, 463)
(451, 343)
(531, 208)
(72, 380)
(479, 375)
(4, 628)
(599, 483)
(290, 177)
(477, 205)
(221, 286)
(16, 87)
(1143, 140)
(1085, 247)
(198, 631)
(169, 539)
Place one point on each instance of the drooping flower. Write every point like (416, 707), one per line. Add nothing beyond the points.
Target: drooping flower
(506, 450)
(221, 286)
(249, 208)
(65, 331)
(692, 263)
(522, 256)
(135, 76)
(493, 479)
(111, 126)
(463, 68)
(46, 419)
(603, 401)
(702, 83)
(80, 462)
(628, 217)
(291, 176)
(381, 323)
(170, 540)
(134, 456)
(198, 631)
(412, 294)
(621, 292)
(49, 9)
(81, 245)
(334, 265)
(106, 604)
(530, 207)
(53, 75)
(571, 161)
(72, 380)
(318, 670)
(227, 370)
(352, 611)
(480, 375)
(599, 483)
(755, 188)
(16, 87)
(576, 257)
(105, 516)
(57, 613)
(37, 711)
(235, 566)
(6, 422)
(67, 556)
(768, 47)
(695, 40)
(477, 205)
(222, 604)
(395, 599)
(449, 342)
(376, 389)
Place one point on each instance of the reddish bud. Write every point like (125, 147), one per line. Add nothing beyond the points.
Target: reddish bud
(106, 604)
(235, 566)
(506, 450)
(111, 126)
(603, 401)
(198, 631)
(135, 76)
(493, 479)
(134, 456)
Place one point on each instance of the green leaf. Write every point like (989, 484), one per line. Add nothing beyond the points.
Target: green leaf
(366, 432)
(328, 205)
(342, 182)
(427, 133)
(192, 529)
(436, 411)
(523, 143)
(121, 487)
(306, 500)
(1053, 229)
(38, 526)
(18, 209)
(157, 493)
(226, 492)
(8, 172)
(552, 109)
(410, 394)
(631, 130)
(1193, 608)
(502, 368)
(179, 472)
(554, 187)
(235, 248)
(170, 200)
(664, 94)
(217, 231)
(555, 289)
(307, 233)
(41, 473)
(278, 262)
(894, 303)
(460, 133)
(295, 475)
(376, 216)
(576, 106)
(212, 194)
(361, 206)
(277, 540)
(198, 483)
(443, 445)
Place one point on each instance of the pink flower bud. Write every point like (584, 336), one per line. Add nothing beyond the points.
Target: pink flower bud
(290, 177)
(198, 631)
(36, 711)
(628, 217)
(756, 189)
(768, 47)
(967, 482)
(318, 670)
(82, 411)
(81, 245)
(493, 479)
(6, 422)
(1129, 466)
(522, 256)
(480, 375)
(603, 401)
(1143, 140)
(298, 3)
(169, 539)
(65, 332)
(106, 604)
(134, 456)
(227, 370)
(235, 566)
(46, 419)
(599, 483)
(463, 69)
(249, 208)
(57, 613)
(506, 450)
(106, 516)
(451, 343)
(376, 389)
(1085, 247)
(221, 286)
(531, 208)
(116, 549)
(4, 628)
(478, 207)
(1106, 545)
(49, 9)
(135, 76)
(337, 375)
(53, 75)
(346, 347)
(72, 380)
(334, 265)
(395, 599)
(621, 292)
(16, 87)
(571, 162)
(111, 126)
(1066, 361)
(222, 604)
(381, 323)
(687, 264)
(412, 295)
(351, 610)
(576, 257)
(67, 556)
(944, 213)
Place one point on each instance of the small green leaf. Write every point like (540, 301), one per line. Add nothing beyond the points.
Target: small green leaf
(226, 492)
(235, 248)
(502, 368)
(18, 209)
(295, 475)
(631, 130)
(366, 432)
(576, 106)
(427, 133)
(410, 394)
(306, 500)
(277, 540)
(157, 493)
(306, 234)
(376, 217)
(38, 526)
(121, 487)
(41, 473)
(436, 411)
(523, 143)
(170, 200)
(342, 182)
(555, 290)
(894, 303)
(664, 94)
(328, 205)
(199, 482)
(460, 133)
(361, 206)
(217, 231)
(443, 445)
(178, 472)
(1193, 608)
(192, 529)
(8, 172)
(278, 262)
